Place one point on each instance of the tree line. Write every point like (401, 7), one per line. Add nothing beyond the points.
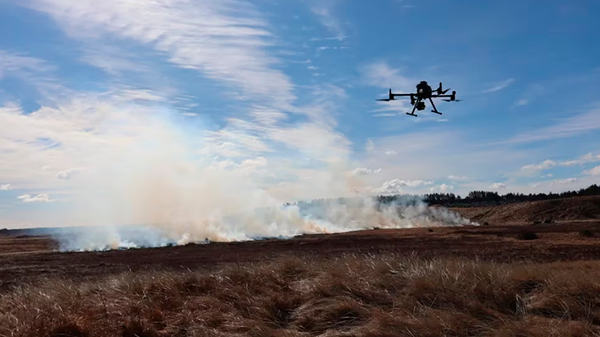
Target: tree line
(486, 198)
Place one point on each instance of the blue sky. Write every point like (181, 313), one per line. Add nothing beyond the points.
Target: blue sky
(95, 98)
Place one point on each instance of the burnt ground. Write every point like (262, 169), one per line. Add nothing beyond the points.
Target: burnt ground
(26, 259)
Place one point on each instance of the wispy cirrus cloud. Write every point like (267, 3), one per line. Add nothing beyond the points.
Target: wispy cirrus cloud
(568, 127)
(566, 181)
(36, 72)
(69, 173)
(323, 9)
(381, 74)
(40, 198)
(21, 65)
(587, 158)
(499, 86)
(224, 40)
(531, 93)
(6, 187)
(365, 171)
(545, 165)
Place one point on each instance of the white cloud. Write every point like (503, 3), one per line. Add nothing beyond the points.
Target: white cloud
(587, 158)
(457, 177)
(444, 188)
(6, 187)
(139, 95)
(531, 93)
(522, 102)
(385, 115)
(38, 198)
(361, 171)
(112, 60)
(594, 171)
(69, 173)
(253, 165)
(391, 153)
(370, 145)
(545, 165)
(33, 71)
(568, 127)
(498, 186)
(224, 40)
(323, 9)
(395, 186)
(247, 167)
(534, 185)
(381, 74)
(566, 181)
(500, 86)
(21, 65)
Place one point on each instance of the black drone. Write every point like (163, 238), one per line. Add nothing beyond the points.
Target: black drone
(424, 92)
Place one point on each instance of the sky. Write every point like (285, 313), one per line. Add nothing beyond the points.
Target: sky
(109, 106)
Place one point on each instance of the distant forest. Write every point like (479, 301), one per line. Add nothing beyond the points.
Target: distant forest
(485, 198)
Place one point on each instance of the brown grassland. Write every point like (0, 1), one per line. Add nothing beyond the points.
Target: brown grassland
(350, 295)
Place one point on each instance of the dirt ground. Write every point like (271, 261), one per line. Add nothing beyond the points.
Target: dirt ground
(34, 259)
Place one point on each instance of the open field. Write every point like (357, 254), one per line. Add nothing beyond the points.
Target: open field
(555, 242)
(374, 295)
(510, 278)
(567, 209)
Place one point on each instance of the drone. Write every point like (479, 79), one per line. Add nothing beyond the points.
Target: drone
(424, 92)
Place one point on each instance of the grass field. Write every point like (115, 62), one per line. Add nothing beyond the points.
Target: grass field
(351, 295)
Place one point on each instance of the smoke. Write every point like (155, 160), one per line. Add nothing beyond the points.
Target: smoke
(152, 172)
(335, 216)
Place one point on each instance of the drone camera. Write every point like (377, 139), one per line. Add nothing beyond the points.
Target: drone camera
(421, 106)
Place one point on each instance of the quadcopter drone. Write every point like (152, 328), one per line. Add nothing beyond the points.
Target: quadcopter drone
(424, 92)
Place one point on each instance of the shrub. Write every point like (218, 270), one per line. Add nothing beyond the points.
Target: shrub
(486, 223)
(527, 235)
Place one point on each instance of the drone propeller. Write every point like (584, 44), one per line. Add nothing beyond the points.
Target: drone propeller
(453, 100)
(390, 98)
(440, 91)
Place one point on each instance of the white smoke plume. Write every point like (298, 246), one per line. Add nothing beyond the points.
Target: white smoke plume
(148, 182)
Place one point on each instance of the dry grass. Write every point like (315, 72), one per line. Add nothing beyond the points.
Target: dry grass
(355, 295)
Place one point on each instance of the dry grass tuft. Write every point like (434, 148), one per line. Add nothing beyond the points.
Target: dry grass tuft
(354, 295)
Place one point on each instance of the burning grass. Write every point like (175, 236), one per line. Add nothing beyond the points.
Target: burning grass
(354, 295)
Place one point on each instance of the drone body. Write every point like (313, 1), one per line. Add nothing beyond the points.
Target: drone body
(424, 92)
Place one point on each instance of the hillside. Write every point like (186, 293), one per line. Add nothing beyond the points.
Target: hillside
(568, 209)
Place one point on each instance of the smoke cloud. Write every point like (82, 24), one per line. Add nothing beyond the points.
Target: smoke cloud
(152, 178)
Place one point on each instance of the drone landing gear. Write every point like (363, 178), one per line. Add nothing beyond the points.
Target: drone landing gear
(414, 107)
(434, 108)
